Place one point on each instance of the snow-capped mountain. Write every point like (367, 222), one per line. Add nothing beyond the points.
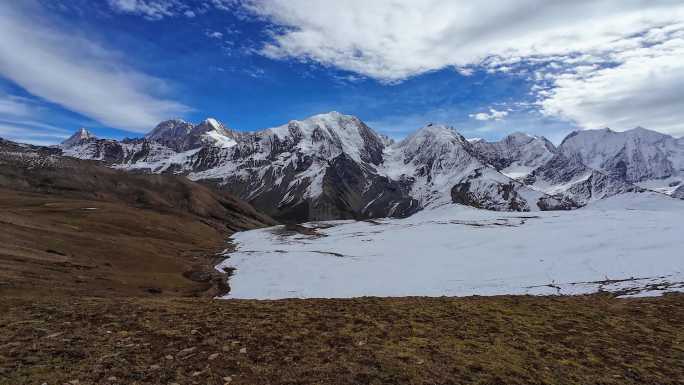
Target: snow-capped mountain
(442, 166)
(538, 164)
(516, 155)
(78, 137)
(332, 166)
(180, 135)
(648, 158)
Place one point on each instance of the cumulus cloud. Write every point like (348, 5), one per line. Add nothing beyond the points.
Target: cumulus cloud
(78, 74)
(392, 40)
(395, 39)
(491, 115)
(645, 89)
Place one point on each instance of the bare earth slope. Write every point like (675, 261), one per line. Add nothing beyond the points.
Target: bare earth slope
(75, 226)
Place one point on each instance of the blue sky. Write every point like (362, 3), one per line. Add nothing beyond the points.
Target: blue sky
(118, 67)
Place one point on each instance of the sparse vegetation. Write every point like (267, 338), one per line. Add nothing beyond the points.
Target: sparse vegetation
(496, 340)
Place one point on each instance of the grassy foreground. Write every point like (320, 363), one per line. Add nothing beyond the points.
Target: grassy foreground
(478, 340)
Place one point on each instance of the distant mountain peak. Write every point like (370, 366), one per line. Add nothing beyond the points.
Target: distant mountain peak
(634, 155)
(78, 137)
(436, 129)
(213, 123)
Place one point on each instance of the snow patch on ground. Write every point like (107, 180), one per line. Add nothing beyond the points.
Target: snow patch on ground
(630, 244)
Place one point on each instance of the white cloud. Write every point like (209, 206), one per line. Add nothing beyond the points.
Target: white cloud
(491, 115)
(25, 133)
(149, 9)
(392, 40)
(18, 122)
(13, 106)
(214, 35)
(76, 73)
(645, 89)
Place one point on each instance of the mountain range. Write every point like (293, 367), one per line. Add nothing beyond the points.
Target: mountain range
(333, 166)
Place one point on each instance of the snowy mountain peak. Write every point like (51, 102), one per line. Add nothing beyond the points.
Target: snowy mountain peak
(646, 134)
(331, 134)
(213, 123)
(436, 133)
(433, 143)
(635, 155)
(516, 155)
(520, 137)
(180, 135)
(169, 129)
(77, 138)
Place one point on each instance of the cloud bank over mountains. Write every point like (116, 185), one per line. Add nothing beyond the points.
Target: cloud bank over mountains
(617, 63)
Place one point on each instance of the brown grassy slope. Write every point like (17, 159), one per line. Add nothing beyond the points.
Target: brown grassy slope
(77, 227)
(494, 340)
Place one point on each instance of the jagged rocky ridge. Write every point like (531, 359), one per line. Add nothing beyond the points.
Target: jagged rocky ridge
(333, 166)
(537, 163)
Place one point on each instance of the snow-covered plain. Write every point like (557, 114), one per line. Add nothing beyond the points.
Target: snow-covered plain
(630, 244)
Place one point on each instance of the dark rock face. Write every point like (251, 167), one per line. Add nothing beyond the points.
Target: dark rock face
(355, 191)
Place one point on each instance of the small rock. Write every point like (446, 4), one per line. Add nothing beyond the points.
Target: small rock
(195, 374)
(155, 367)
(226, 348)
(360, 343)
(194, 331)
(243, 350)
(169, 357)
(213, 356)
(227, 379)
(154, 290)
(54, 335)
(186, 351)
(112, 378)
